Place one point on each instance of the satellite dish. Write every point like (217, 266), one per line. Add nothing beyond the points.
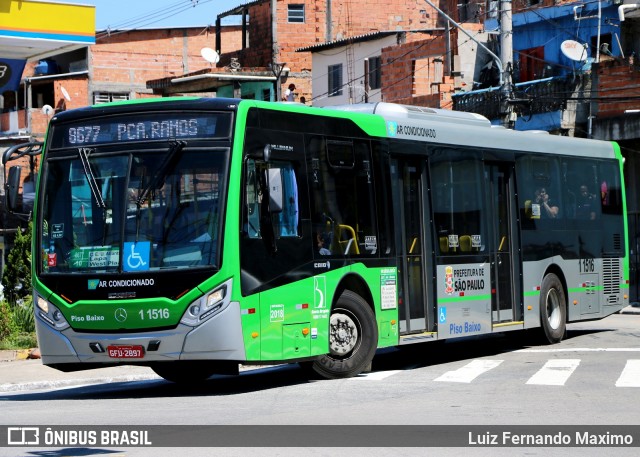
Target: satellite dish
(65, 93)
(574, 50)
(47, 110)
(210, 55)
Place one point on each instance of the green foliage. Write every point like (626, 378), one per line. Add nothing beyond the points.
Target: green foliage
(16, 279)
(7, 326)
(17, 325)
(19, 341)
(23, 316)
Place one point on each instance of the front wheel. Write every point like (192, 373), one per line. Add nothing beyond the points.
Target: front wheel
(553, 309)
(353, 338)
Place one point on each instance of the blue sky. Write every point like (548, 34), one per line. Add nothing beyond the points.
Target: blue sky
(128, 14)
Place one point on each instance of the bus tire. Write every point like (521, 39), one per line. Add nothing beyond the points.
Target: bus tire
(553, 309)
(353, 339)
(183, 372)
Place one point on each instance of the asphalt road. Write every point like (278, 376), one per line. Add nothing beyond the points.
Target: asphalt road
(590, 378)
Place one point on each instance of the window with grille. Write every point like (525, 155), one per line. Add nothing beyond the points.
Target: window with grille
(375, 72)
(107, 97)
(295, 13)
(335, 80)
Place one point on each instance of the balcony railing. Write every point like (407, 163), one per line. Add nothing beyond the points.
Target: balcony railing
(531, 97)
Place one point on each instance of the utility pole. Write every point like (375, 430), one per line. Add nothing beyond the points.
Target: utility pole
(504, 63)
(506, 56)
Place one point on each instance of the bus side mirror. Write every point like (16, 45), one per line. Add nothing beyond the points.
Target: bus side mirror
(266, 153)
(12, 188)
(263, 154)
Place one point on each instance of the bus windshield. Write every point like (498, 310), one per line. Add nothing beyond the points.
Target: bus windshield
(132, 211)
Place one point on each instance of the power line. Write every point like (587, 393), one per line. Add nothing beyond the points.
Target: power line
(152, 17)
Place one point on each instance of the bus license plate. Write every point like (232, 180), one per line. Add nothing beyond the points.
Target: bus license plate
(125, 352)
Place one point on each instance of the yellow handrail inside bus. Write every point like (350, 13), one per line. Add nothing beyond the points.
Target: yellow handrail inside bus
(349, 246)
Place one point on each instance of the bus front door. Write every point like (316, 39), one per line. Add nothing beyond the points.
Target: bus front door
(505, 281)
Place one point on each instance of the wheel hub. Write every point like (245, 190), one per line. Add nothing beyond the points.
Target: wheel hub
(343, 334)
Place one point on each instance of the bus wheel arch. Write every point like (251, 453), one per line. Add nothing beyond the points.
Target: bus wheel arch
(353, 333)
(553, 306)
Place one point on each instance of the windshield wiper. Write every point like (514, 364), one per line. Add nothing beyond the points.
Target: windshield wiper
(167, 164)
(83, 153)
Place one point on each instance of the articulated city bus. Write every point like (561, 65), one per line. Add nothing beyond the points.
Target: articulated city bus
(194, 235)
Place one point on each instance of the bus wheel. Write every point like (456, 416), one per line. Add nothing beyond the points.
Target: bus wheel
(353, 338)
(553, 309)
(183, 372)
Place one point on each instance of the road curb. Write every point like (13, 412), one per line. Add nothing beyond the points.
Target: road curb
(63, 383)
(630, 310)
(9, 355)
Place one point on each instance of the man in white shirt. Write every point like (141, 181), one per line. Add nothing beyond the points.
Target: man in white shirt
(289, 94)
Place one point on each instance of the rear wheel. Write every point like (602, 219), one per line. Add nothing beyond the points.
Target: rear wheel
(553, 309)
(353, 338)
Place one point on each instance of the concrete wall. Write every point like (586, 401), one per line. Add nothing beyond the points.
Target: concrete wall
(124, 62)
(323, 59)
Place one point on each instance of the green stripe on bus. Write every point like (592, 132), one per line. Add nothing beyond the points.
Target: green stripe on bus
(464, 298)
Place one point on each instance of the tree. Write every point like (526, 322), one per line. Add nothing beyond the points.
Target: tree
(16, 279)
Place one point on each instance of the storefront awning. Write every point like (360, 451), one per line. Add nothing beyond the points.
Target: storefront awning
(35, 30)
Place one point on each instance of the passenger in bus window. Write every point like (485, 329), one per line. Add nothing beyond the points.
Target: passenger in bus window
(547, 207)
(604, 193)
(324, 235)
(323, 241)
(585, 204)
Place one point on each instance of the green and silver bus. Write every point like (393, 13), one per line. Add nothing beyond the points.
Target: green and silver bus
(196, 235)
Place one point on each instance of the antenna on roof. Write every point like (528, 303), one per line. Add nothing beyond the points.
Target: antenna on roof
(210, 55)
(65, 93)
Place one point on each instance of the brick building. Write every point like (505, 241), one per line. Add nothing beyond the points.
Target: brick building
(267, 61)
(116, 67)
(30, 30)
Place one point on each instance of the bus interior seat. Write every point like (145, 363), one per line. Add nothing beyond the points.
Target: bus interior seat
(444, 244)
(528, 210)
(465, 243)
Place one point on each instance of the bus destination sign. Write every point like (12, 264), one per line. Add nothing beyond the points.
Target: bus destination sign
(159, 126)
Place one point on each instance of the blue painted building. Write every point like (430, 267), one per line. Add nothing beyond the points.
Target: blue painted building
(544, 76)
(538, 35)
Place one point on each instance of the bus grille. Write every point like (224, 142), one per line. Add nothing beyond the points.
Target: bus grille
(611, 279)
(617, 241)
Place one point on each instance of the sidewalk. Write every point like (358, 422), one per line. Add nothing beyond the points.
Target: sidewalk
(19, 373)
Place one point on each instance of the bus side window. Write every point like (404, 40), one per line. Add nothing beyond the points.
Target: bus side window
(343, 200)
(543, 198)
(609, 189)
(286, 220)
(458, 204)
(252, 202)
(280, 178)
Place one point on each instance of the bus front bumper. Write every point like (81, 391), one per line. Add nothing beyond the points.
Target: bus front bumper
(219, 338)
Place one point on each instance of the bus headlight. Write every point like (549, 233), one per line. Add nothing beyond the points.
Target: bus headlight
(208, 305)
(50, 314)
